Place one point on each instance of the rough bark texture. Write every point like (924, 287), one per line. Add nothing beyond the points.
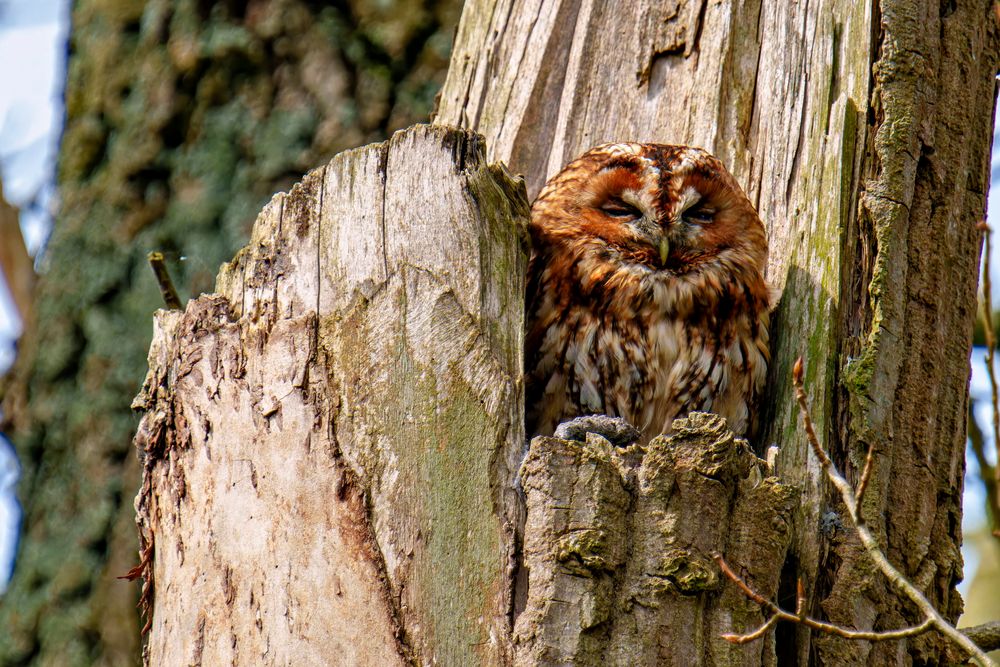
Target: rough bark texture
(619, 543)
(183, 118)
(862, 132)
(357, 369)
(332, 438)
(909, 302)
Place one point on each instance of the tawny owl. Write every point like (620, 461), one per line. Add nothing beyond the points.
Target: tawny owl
(646, 294)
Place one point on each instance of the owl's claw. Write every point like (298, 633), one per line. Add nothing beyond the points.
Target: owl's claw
(615, 430)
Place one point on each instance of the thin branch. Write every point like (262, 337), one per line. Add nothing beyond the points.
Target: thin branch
(865, 474)
(744, 586)
(756, 634)
(868, 541)
(977, 443)
(809, 622)
(990, 474)
(800, 396)
(167, 289)
(987, 635)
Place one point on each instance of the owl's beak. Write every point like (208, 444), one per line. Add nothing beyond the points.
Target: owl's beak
(664, 248)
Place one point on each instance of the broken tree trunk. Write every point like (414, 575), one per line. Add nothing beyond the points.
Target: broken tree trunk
(333, 443)
(861, 131)
(331, 438)
(619, 542)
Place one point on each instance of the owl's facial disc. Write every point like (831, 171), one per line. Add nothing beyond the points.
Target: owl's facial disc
(617, 206)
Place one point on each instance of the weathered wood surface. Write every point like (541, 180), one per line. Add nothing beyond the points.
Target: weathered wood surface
(861, 132)
(771, 88)
(331, 438)
(359, 360)
(619, 544)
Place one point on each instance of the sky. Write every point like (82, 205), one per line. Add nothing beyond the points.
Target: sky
(32, 69)
(32, 60)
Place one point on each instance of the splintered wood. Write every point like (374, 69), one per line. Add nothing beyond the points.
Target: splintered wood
(331, 439)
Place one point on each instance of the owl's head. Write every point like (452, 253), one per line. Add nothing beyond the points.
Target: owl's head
(658, 207)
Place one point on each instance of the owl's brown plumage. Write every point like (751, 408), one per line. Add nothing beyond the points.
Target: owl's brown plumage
(646, 294)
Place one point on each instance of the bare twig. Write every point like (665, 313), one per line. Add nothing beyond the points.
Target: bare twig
(932, 619)
(163, 280)
(800, 598)
(807, 423)
(865, 475)
(990, 474)
(895, 577)
(977, 443)
(756, 634)
(829, 628)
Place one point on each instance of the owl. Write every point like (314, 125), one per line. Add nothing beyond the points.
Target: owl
(646, 297)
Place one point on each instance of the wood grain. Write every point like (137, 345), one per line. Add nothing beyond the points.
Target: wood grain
(331, 438)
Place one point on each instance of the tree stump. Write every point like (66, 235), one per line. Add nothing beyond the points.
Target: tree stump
(331, 439)
(619, 543)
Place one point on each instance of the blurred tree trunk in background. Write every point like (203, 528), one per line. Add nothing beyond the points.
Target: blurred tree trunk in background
(182, 119)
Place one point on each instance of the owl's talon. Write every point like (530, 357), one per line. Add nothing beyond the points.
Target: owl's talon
(615, 430)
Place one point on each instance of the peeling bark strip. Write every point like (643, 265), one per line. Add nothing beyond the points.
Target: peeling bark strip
(861, 131)
(331, 439)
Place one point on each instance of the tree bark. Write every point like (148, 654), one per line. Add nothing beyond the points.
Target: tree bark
(618, 548)
(862, 133)
(331, 439)
(333, 444)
